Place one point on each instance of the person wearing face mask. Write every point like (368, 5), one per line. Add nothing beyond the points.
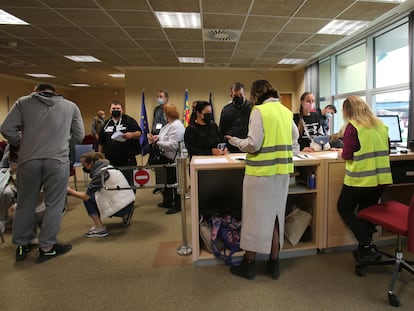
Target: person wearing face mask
(234, 118)
(120, 149)
(158, 122)
(325, 115)
(203, 136)
(96, 127)
(93, 164)
(307, 121)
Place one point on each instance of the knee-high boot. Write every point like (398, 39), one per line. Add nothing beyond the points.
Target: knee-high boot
(175, 202)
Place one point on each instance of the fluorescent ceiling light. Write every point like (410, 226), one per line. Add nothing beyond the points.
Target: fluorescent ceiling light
(179, 20)
(117, 75)
(8, 19)
(342, 27)
(80, 84)
(195, 60)
(40, 75)
(291, 61)
(83, 58)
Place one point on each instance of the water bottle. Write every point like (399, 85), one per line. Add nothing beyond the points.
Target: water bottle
(312, 181)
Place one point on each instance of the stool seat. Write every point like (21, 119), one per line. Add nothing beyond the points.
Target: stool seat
(397, 218)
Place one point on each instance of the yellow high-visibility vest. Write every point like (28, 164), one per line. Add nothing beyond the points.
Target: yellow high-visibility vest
(370, 166)
(275, 155)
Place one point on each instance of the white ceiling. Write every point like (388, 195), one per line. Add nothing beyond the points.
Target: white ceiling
(125, 33)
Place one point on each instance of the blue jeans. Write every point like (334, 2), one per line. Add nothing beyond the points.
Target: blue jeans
(92, 208)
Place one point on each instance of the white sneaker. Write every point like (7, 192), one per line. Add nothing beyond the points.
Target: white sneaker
(2, 226)
(94, 232)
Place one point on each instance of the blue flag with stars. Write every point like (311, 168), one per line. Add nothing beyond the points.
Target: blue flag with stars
(143, 140)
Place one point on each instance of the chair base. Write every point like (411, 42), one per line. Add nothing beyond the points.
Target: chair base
(399, 264)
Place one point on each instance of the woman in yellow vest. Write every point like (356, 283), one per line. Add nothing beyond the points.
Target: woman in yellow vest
(367, 171)
(266, 181)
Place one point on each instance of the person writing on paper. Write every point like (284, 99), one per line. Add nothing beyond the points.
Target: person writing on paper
(93, 163)
(367, 171)
(203, 137)
(308, 122)
(119, 139)
(268, 167)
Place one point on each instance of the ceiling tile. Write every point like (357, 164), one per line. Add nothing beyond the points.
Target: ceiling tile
(228, 6)
(134, 19)
(123, 4)
(323, 8)
(257, 36)
(264, 23)
(145, 33)
(306, 25)
(273, 8)
(39, 17)
(184, 34)
(221, 21)
(367, 11)
(87, 17)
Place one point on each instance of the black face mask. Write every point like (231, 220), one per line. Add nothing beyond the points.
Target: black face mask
(208, 117)
(86, 170)
(238, 100)
(116, 113)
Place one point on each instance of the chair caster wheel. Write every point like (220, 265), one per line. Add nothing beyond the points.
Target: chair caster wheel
(393, 300)
(359, 271)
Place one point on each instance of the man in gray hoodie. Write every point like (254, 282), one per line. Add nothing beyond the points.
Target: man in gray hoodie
(43, 162)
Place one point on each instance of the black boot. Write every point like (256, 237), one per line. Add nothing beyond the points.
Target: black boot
(176, 203)
(246, 269)
(167, 198)
(273, 268)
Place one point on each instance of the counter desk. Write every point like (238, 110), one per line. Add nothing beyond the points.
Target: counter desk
(217, 181)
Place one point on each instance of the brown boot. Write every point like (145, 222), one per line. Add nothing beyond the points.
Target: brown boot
(246, 269)
(273, 268)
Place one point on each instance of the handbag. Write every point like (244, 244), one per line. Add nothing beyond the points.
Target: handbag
(155, 156)
(317, 143)
(111, 201)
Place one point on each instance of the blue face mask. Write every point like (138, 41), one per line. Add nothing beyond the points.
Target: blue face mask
(160, 101)
(328, 115)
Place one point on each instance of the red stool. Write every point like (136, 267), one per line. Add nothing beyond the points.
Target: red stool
(397, 218)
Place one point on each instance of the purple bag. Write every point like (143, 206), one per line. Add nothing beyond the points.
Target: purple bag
(225, 237)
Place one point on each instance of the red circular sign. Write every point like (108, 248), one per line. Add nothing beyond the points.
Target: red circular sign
(141, 177)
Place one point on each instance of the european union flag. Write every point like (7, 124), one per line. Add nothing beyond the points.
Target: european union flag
(143, 140)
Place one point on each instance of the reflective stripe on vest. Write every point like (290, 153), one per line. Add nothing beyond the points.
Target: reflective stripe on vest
(370, 166)
(275, 156)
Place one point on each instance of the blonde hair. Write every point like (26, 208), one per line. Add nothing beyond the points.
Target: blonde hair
(357, 110)
(171, 111)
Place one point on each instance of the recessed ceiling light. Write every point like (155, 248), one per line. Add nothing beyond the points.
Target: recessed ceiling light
(117, 75)
(342, 27)
(291, 61)
(40, 75)
(8, 19)
(179, 20)
(83, 58)
(80, 84)
(195, 60)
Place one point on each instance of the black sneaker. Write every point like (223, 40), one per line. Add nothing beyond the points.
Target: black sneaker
(156, 190)
(366, 253)
(56, 250)
(22, 250)
(126, 220)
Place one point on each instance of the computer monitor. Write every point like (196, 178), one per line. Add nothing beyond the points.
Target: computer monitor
(394, 129)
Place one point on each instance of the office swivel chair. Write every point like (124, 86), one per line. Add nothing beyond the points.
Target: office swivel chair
(397, 218)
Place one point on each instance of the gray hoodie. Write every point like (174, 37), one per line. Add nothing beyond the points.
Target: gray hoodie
(43, 124)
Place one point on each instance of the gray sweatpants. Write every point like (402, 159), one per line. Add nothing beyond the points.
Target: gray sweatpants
(53, 175)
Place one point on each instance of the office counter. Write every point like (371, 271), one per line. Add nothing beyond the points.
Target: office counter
(216, 184)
